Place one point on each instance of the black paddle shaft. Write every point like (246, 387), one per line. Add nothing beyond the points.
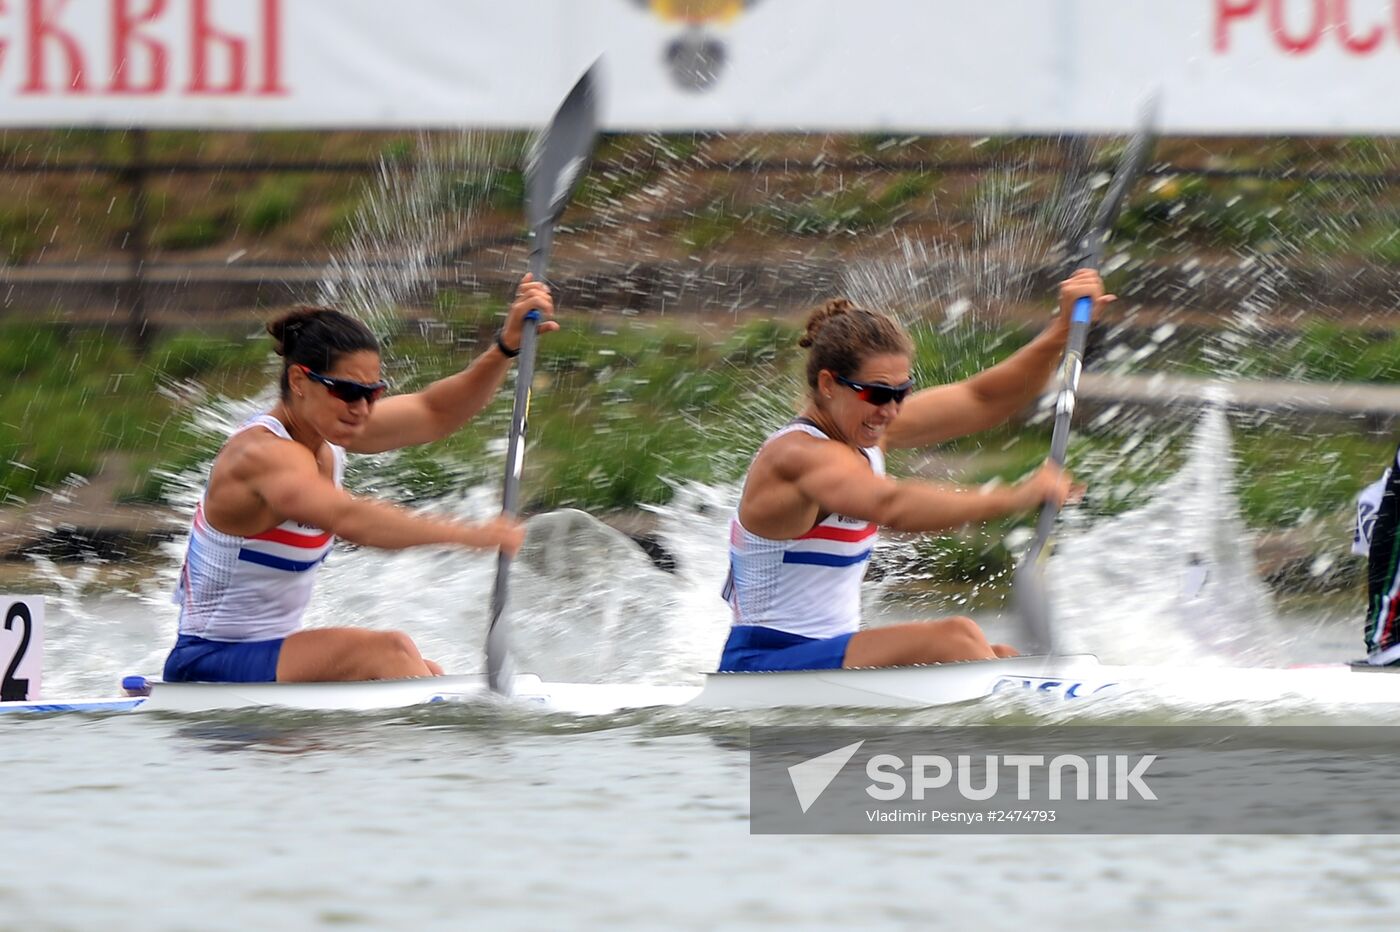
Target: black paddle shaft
(1090, 255)
(1028, 591)
(554, 168)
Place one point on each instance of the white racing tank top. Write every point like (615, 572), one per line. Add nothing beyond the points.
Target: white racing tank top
(251, 588)
(808, 586)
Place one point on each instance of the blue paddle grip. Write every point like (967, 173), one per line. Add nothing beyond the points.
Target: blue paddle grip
(1083, 311)
(533, 315)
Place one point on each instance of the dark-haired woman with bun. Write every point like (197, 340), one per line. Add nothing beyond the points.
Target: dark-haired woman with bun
(816, 493)
(274, 504)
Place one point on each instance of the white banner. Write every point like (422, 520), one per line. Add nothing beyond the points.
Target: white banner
(928, 66)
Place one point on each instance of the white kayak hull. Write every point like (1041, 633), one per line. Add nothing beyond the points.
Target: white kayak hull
(46, 706)
(577, 698)
(150, 695)
(341, 697)
(1069, 678)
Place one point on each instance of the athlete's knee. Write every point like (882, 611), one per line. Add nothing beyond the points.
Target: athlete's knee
(387, 655)
(960, 628)
(398, 644)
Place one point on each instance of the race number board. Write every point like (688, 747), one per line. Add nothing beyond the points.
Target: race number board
(21, 647)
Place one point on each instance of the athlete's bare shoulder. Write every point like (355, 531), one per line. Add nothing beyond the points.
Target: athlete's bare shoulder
(255, 451)
(797, 452)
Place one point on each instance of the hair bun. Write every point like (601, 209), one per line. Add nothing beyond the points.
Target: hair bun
(285, 330)
(833, 308)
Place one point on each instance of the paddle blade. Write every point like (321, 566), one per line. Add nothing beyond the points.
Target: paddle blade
(499, 669)
(558, 160)
(1031, 603)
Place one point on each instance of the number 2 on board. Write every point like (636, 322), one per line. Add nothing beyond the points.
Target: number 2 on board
(10, 688)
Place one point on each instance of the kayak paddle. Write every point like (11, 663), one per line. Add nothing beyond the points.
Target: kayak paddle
(1028, 585)
(553, 169)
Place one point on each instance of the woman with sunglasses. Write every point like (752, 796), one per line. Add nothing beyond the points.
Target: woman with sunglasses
(274, 504)
(817, 493)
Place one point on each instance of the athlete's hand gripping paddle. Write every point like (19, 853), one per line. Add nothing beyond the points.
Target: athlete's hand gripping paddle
(1028, 585)
(552, 170)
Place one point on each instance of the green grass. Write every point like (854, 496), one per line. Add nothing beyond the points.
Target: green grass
(1286, 480)
(861, 206)
(200, 356)
(504, 190)
(70, 395)
(18, 238)
(1325, 352)
(194, 231)
(704, 209)
(272, 203)
(713, 226)
(63, 405)
(627, 415)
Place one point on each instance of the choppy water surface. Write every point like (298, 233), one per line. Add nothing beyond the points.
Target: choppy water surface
(455, 818)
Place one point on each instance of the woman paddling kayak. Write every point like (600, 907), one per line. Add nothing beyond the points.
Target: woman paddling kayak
(817, 493)
(274, 504)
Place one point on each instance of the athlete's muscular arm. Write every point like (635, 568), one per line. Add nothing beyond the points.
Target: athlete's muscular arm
(839, 480)
(285, 477)
(447, 404)
(994, 394)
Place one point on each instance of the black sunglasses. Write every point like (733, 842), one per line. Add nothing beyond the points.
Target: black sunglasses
(348, 390)
(878, 393)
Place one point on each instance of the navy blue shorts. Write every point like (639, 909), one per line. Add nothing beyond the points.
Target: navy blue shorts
(755, 649)
(195, 660)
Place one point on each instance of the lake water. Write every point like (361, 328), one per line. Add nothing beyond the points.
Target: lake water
(455, 817)
(497, 817)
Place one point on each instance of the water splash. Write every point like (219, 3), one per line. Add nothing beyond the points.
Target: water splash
(1019, 225)
(1171, 582)
(593, 607)
(413, 222)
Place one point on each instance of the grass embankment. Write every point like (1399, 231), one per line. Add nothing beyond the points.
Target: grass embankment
(694, 202)
(623, 413)
(68, 396)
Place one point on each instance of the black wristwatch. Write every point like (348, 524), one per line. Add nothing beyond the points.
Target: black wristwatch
(506, 351)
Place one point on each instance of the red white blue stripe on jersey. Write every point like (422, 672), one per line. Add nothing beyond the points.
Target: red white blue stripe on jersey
(287, 547)
(832, 545)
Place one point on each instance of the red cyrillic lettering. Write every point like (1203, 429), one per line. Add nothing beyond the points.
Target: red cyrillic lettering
(43, 26)
(1225, 10)
(124, 39)
(1279, 28)
(4, 43)
(1352, 43)
(272, 49)
(202, 36)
